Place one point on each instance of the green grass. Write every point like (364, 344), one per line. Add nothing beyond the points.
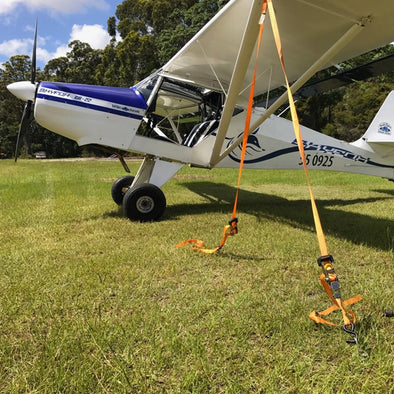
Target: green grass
(91, 302)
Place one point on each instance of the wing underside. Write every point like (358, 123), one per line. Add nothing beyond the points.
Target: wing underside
(308, 29)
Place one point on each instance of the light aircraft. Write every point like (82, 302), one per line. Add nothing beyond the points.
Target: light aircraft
(192, 111)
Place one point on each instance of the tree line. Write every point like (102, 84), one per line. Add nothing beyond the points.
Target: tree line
(151, 32)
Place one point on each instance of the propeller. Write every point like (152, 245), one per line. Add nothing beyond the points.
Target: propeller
(34, 58)
(26, 91)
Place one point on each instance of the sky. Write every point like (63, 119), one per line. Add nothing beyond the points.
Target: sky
(59, 22)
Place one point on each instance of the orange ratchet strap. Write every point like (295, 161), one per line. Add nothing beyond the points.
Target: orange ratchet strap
(232, 229)
(329, 279)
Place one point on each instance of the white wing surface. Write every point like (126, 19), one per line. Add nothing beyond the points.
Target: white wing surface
(308, 29)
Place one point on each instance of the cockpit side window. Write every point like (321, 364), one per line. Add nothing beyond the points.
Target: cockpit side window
(178, 109)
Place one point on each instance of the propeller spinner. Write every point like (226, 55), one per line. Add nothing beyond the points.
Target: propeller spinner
(26, 91)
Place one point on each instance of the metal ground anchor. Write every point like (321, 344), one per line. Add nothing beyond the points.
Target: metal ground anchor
(351, 331)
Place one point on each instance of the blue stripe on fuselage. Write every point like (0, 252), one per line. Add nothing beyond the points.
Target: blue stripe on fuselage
(120, 101)
(285, 151)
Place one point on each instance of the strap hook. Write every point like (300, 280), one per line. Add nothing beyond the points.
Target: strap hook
(350, 330)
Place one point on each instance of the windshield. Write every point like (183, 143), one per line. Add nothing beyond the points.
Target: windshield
(146, 86)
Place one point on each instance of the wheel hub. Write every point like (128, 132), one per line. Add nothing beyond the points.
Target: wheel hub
(145, 204)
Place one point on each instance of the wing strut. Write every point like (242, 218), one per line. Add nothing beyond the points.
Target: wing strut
(240, 68)
(323, 60)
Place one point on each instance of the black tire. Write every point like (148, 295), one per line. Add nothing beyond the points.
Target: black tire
(144, 203)
(120, 187)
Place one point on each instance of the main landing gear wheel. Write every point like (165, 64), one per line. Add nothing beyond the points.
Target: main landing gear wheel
(120, 187)
(144, 202)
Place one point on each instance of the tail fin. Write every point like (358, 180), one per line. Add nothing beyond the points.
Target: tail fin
(381, 130)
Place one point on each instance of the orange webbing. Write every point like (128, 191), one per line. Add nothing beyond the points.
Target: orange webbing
(198, 245)
(316, 316)
(249, 111)
(297, 131)
(231, 228)
(338, 303)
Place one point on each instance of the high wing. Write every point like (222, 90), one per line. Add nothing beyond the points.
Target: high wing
(308, 28)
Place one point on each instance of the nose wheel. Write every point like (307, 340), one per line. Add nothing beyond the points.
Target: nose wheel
(144, 202)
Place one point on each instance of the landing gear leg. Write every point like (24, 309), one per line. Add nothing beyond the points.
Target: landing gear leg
(141, 197)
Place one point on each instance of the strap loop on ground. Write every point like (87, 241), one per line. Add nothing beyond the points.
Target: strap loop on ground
(198, 245)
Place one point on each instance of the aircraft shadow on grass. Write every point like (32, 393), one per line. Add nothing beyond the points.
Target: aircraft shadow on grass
(354, 227)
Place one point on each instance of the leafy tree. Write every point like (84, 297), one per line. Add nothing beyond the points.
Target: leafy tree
(107, 71)
(182, 24)
(36, 138)
(57, 69)
(154, 30)
(11, 108)
(346, 113)
(111, 26)
(360, 102)
(317, 111)
(78, 66)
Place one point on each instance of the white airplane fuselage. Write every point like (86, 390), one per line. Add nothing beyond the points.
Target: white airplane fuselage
(112, 116)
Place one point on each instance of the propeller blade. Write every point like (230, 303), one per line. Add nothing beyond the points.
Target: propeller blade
(24, 90)
(25, 122)
(34, 57)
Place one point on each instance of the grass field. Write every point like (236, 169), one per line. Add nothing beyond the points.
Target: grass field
(91, 302)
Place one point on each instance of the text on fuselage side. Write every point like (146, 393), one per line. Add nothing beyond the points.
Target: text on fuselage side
(332, 150)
